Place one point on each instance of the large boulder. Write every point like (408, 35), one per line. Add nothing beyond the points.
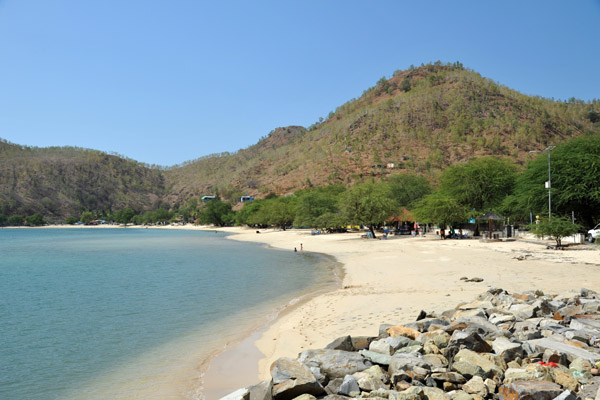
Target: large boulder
(341, 343)
(334, 363)
(490, 368)
(291, 378)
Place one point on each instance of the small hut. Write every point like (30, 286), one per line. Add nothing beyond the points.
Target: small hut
(491, 216)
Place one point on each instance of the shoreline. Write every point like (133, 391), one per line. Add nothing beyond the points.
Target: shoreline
(390, 281)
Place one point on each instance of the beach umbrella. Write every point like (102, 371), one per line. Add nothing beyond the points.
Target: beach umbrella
(491, 216)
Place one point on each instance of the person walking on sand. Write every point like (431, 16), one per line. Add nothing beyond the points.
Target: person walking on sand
(301, 247)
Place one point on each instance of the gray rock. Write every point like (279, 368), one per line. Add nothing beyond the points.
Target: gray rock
(482, 326)
(305, 396)
(460, 395)
(523, 311)
(371, 379)
(585, 323)
(418, 348)
(334, 363)
(468, 370)
(291, 378)
(490, 368)
(529, 390)
(348, 385)
(407, 362)
(376, 358)
(381, 347)
(240, 394)
(570, 352)
(453, 377)
(335, 397)
(475, 385)
(426, 324)
(333, 387)
(341, 343)
(261, 391)
(507, 349)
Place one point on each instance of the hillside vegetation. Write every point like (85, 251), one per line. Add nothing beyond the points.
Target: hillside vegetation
(64, 181)
(419, 121)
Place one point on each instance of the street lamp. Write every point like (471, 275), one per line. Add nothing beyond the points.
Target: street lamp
(549, 184)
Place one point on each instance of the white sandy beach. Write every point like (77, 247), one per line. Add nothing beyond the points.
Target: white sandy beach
(390, 281)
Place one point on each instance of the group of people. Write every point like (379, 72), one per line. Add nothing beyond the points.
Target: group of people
(452, 234)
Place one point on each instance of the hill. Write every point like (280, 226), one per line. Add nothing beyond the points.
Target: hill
(420, 120)
(63, 181)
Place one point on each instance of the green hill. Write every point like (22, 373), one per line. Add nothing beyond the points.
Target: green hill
(420, 120)
(63, 181)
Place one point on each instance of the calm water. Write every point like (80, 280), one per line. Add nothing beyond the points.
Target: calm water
(131, 313)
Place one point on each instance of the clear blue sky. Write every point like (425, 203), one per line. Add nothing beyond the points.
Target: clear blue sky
(168, 81)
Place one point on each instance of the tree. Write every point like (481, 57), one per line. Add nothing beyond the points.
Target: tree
(575, 171)
(441, 209)
(3, 220)
(217, 212)
(15, 220)
(72, 220)
(124, 216)
(278, 211)
(313, 203)
(368, 204)
(557, 228)
(482, 183)
(36, 219)
(407, 188)
(86, 217)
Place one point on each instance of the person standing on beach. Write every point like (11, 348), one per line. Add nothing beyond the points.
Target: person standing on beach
(295, 250)
(301, 247)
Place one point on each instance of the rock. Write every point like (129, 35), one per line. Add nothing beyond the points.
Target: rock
(261, 391)
(507, 349)
(529, 390)
(240, 394)
(566, 380)
(334, 363)
(436, 360)
(482, 326)
(400, 330)
(523, 311)
(371, 379)
(291, 378)
(469, 339)
(407, 362)
(333, 387)
(381, 347)
(467, 369)
(566, 395)
(427, 324)
(489, 368)
(341, 343)
(361, 342)
(570, 352)
(335, 397)
(349, 385)
(475, 385)
(491, 385)
(498, 319)
(411, 349)
(580, 364)
(453, 377)
(305, 396)
(376, 358)
(461, 395)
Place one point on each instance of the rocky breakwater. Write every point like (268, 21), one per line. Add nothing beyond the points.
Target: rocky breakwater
(521, 346)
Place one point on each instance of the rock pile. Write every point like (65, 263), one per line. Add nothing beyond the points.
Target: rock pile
(522, 346)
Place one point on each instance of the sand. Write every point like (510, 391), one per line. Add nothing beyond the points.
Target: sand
(391, 281)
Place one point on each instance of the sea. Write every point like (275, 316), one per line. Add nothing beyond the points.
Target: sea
(132, 313)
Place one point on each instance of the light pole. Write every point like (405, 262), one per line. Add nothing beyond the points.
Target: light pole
(549, 183)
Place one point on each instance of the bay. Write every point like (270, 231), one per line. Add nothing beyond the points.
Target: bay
(132, 313)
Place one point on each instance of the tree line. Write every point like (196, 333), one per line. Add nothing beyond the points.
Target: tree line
(462, 191)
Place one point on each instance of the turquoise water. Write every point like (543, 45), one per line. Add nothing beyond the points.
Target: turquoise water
(132, 313)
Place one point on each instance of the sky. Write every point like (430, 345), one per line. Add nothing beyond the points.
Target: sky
(163, 82)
